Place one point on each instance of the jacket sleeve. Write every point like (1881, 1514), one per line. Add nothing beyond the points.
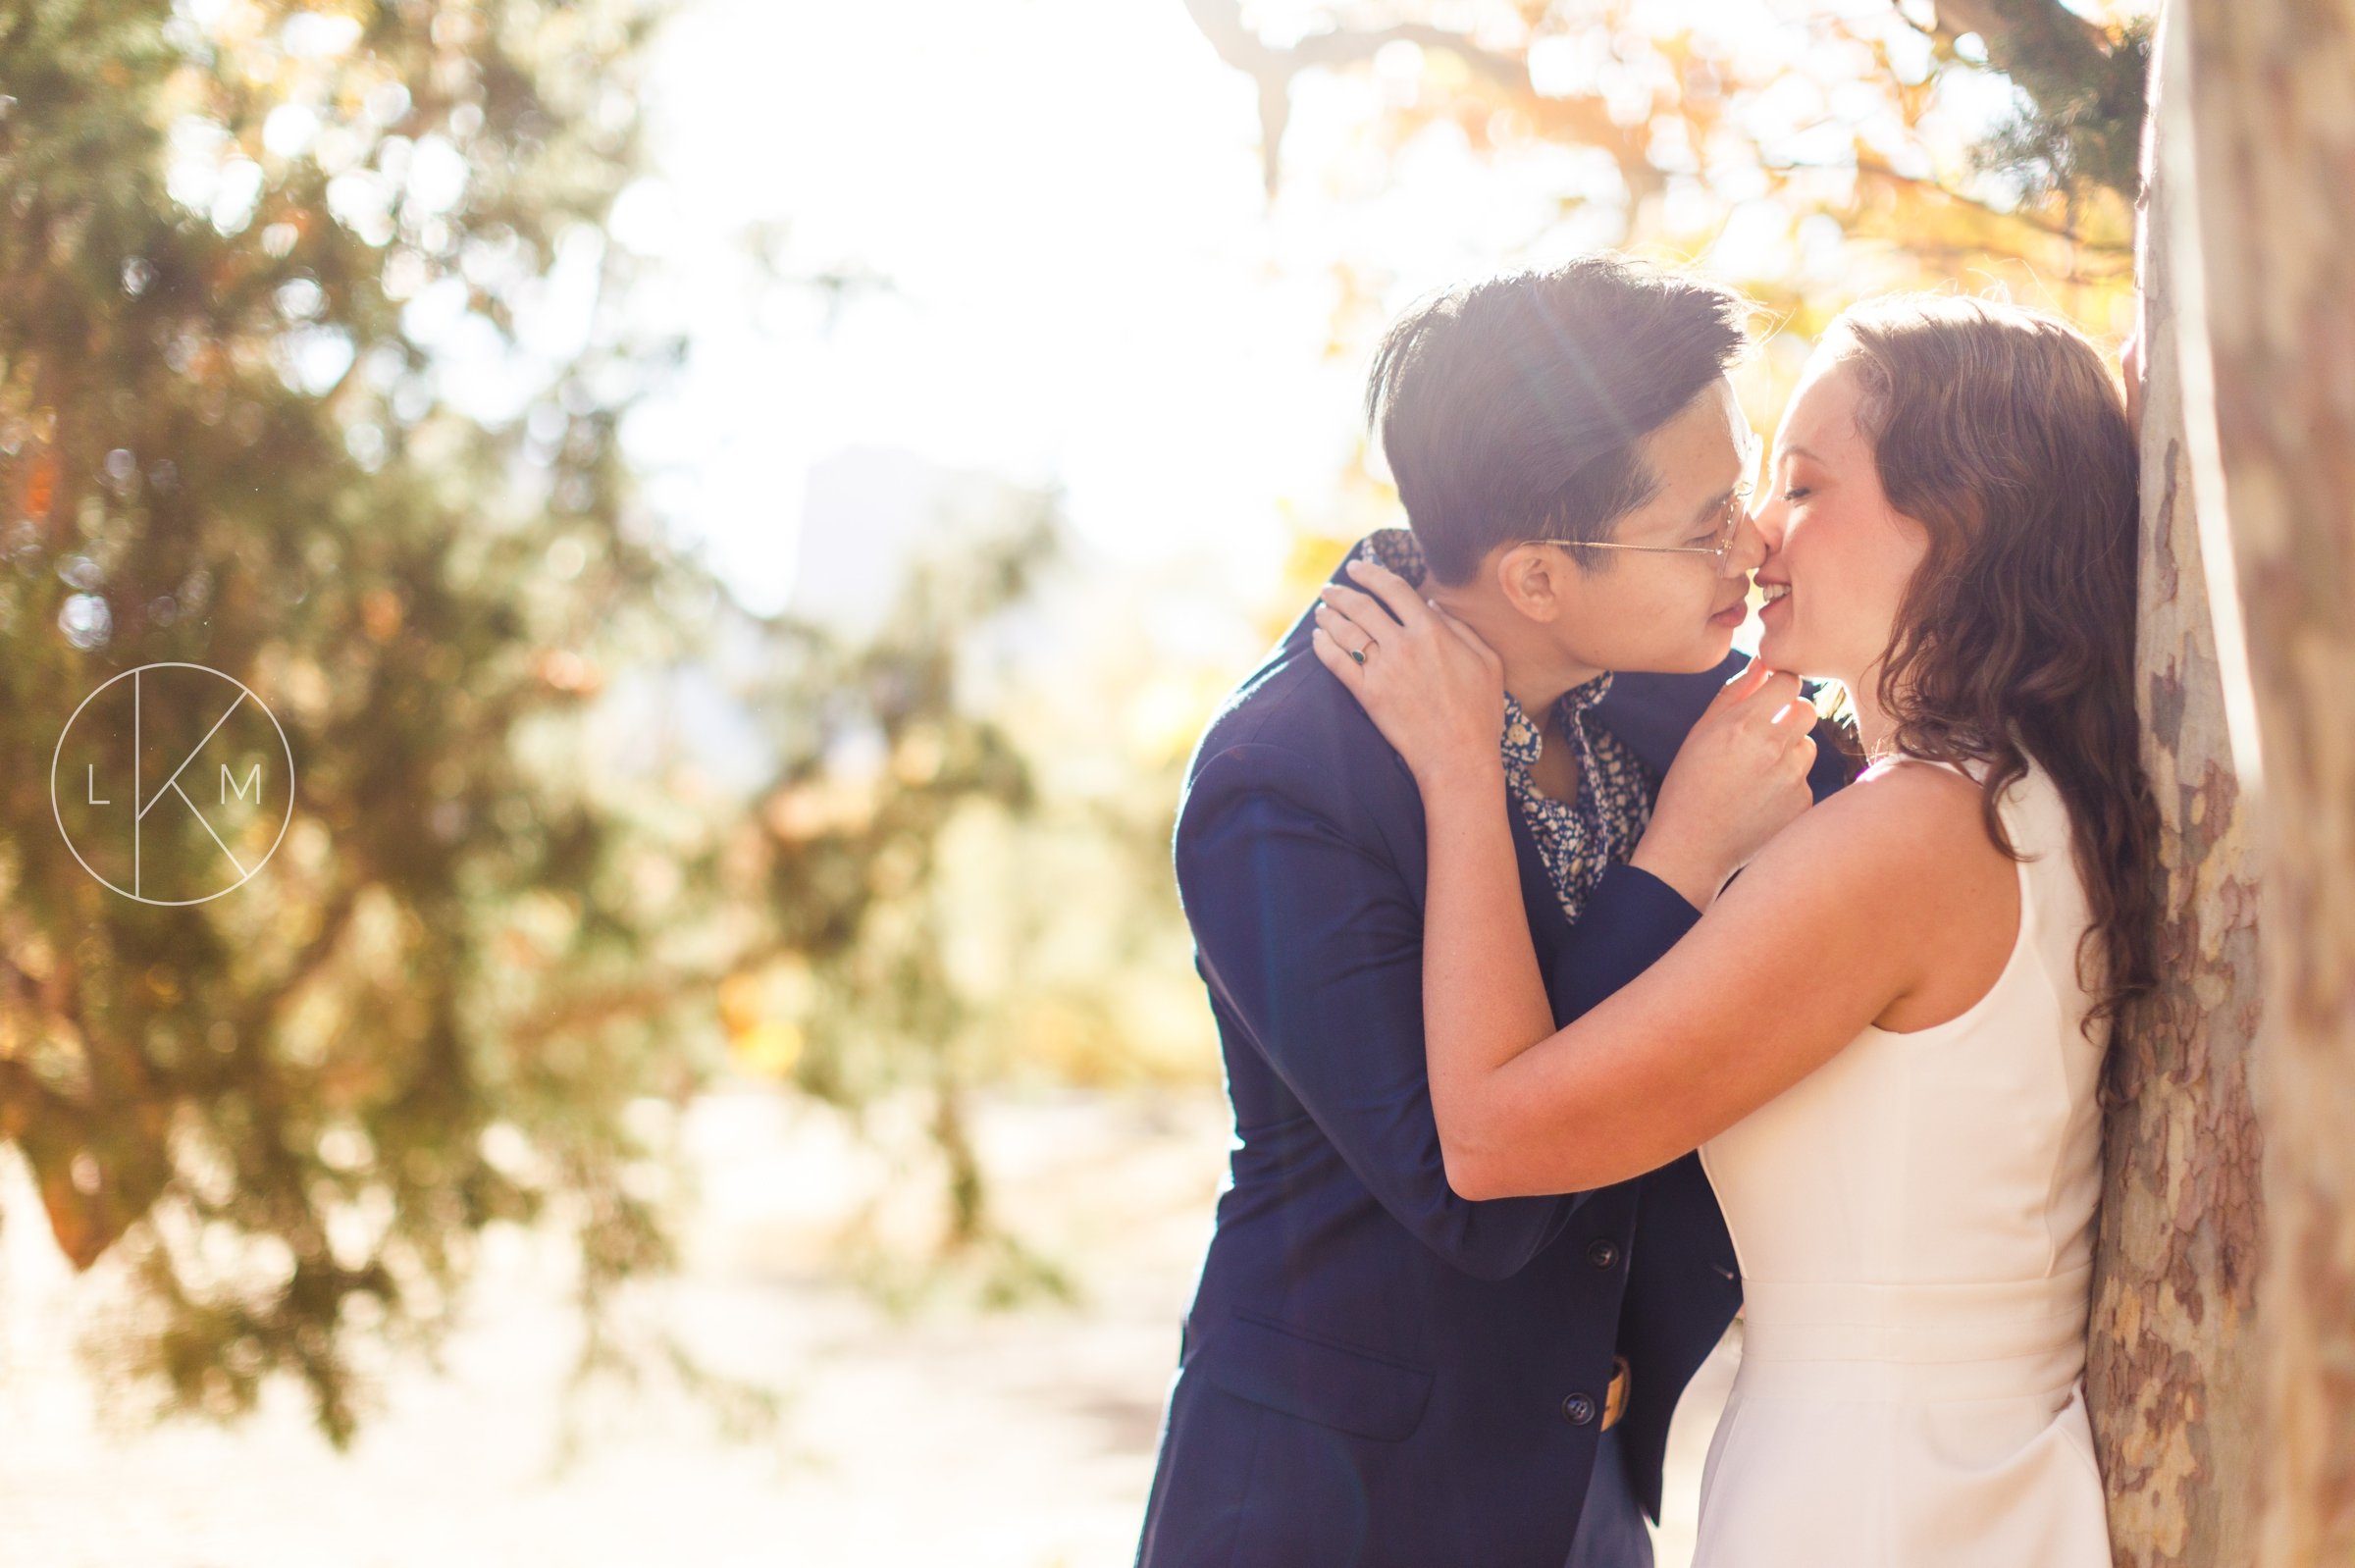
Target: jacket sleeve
(1312, 937)
(1630, 919)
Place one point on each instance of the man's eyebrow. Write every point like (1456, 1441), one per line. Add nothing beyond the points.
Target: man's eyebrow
(1714, 505)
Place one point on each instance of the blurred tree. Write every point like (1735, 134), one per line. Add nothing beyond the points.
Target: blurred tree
(887, 759)
(1843, 116)
(309, 371)
(2082, 90)
(1811, 160)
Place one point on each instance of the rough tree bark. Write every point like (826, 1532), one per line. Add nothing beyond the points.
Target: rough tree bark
(2275, 139)
(2173, 1362)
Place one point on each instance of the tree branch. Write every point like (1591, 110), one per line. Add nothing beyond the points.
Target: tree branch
(2017, 31)
(1342, 46)
(1272, 68)
(2086, 87)
(1874, 169)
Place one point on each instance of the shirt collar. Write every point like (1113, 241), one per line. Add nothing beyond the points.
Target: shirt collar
(1396, 548)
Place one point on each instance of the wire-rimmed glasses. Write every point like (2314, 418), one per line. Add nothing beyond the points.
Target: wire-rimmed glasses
(1728, 529)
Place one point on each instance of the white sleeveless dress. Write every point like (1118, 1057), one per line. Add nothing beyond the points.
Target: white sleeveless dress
(1915, 1225)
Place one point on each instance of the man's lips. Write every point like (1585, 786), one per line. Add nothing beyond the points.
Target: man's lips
(1736, 610)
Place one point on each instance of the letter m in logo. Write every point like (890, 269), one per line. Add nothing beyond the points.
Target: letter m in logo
(229, 786)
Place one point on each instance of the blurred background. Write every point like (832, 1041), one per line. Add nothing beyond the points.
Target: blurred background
(739, 509)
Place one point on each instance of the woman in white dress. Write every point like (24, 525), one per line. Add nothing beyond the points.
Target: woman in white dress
(1885, 1036)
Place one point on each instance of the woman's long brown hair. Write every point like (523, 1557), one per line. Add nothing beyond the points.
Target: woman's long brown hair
(2000, 430)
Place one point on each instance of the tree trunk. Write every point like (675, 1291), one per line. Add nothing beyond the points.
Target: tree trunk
(2173, 1363)
(2275, 139)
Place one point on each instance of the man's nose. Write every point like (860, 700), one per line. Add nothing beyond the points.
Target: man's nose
(1750, 545)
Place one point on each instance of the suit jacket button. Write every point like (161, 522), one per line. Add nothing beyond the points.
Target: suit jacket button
(1580, 1410)
(1603, 1252)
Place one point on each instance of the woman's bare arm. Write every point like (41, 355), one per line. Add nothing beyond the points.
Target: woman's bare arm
(1837, 919)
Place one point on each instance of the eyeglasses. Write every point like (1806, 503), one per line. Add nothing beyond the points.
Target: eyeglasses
(1729, 528)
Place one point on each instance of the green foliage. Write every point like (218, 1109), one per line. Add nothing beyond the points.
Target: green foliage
(223, 440)
(2078, 127)
(287, 389)
(879, 774)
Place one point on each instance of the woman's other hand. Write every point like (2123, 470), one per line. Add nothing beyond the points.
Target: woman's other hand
(1433, 687)
(1740, 779)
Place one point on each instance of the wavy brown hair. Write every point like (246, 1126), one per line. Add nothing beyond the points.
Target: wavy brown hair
(2001, 432)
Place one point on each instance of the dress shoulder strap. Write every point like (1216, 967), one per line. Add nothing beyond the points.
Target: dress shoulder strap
(1976, 772)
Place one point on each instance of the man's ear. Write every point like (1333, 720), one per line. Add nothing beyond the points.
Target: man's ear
(1531, 578)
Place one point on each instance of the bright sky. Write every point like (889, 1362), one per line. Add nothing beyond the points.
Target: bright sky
(1085, 287)
(1083, 284)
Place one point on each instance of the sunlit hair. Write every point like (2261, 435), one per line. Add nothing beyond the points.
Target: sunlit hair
(1513, 407)
(2001, 432)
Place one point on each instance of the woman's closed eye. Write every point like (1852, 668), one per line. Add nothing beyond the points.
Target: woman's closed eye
(1794, 493)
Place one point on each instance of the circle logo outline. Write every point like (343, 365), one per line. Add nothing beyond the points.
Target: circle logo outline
(57, 757)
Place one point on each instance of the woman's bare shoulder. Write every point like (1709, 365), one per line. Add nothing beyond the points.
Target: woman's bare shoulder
(1902, 816)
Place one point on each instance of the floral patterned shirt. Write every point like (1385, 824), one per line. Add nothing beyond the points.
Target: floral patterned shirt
(1578, 840)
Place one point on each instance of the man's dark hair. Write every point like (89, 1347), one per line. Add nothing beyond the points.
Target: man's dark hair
(1511, 408)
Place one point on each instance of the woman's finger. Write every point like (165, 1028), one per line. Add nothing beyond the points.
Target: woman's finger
(1393, 591)
(1362, 608)
(1745, 682)
(1771, 695)
(1329, 653)
(1353, 639)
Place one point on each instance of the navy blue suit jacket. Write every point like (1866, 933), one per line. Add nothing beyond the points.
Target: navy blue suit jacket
(1374, 1371)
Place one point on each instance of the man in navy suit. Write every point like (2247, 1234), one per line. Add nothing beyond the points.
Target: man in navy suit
(1376, 1372)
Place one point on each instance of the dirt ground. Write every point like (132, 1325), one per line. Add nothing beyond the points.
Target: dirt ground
(936, 1433)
